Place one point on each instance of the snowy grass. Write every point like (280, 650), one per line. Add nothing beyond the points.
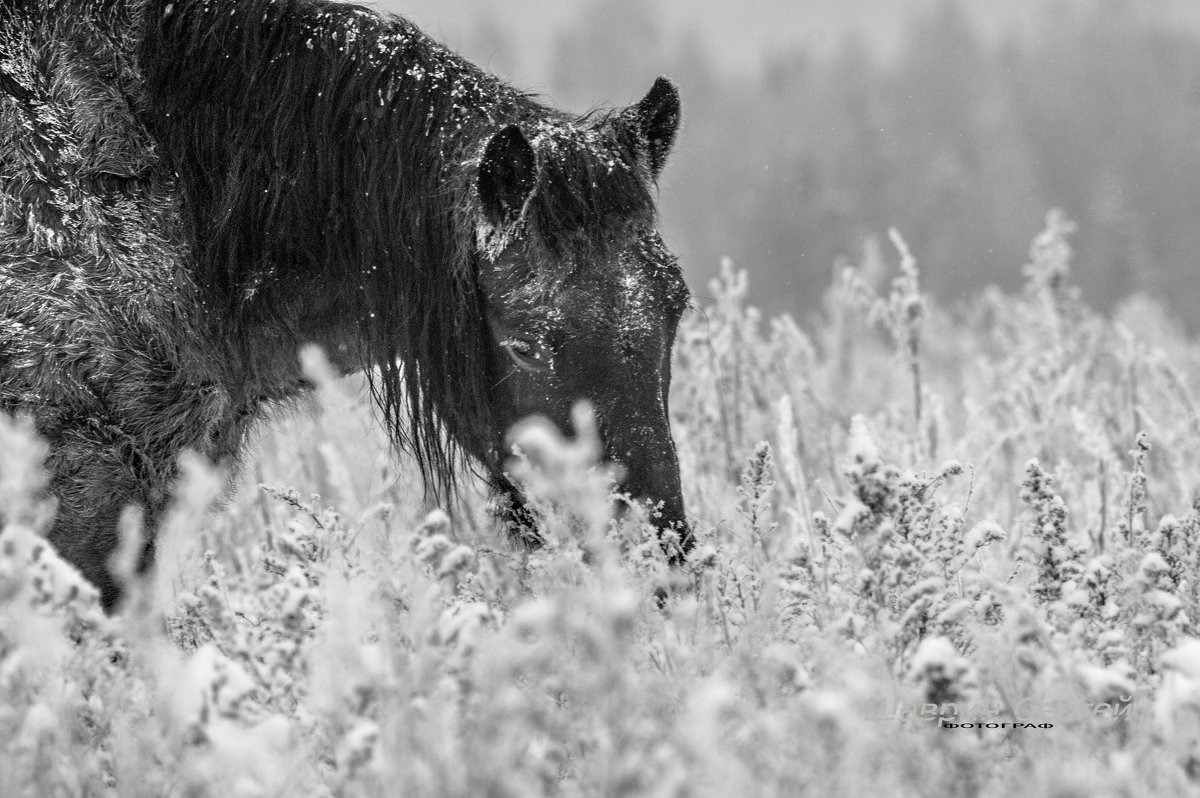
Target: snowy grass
(941, 553)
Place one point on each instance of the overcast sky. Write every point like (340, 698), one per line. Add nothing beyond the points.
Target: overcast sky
(737, 33)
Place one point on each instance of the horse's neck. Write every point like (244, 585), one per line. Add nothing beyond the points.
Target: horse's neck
(326, 179)
(308, 134)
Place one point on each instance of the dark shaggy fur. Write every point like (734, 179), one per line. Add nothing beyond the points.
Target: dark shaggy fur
(191, 189)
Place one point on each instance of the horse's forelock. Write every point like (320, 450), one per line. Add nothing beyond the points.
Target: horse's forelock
(592, 190)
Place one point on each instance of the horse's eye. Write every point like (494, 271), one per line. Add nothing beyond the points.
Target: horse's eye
(527, 355)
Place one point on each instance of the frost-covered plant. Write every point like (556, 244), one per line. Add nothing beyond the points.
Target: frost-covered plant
(1048, 545)
(1049, 268)
(902, 313)
(942, 675)
(845, 579)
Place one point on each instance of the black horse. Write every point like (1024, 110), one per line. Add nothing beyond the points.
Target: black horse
(190, 190)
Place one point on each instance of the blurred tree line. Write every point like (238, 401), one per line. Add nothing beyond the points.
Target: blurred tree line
(961, 144)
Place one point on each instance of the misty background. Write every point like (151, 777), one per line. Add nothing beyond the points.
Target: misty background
(812, 126)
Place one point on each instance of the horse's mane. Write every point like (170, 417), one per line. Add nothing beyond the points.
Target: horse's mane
(276, 113)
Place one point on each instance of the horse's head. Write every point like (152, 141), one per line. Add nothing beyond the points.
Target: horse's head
(582, 295)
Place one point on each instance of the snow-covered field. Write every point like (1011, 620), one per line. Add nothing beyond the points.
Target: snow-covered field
(942, 551)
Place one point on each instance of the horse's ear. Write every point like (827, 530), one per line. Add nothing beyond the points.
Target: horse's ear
(507, 175)
(658, 118)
